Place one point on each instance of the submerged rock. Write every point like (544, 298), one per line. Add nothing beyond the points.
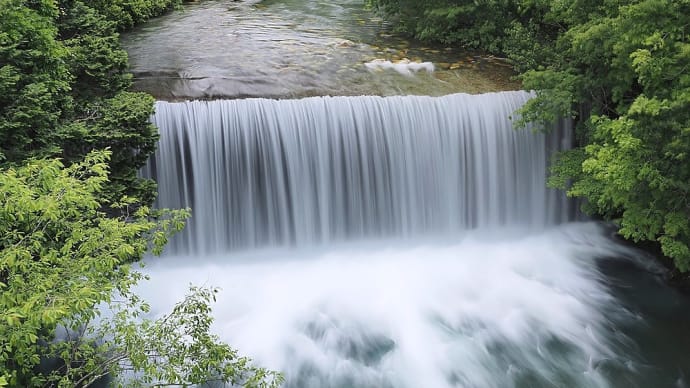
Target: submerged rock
(403, 66)
(344, 43)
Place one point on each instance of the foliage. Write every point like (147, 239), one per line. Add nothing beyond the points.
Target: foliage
(63, 86)
(70, 231)
(127, 13)
(34, 80)
(63, 261)
(629, 65)
(464, 22)
(63, 92)
(123, 124)
(178, 348)
(519, 30)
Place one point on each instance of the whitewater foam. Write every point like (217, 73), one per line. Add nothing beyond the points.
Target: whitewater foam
(483, 311)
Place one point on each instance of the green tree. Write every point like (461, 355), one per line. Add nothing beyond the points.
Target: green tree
(127, 13)
(64, 84)
(34, 79)
(105, 114)
(63, 263)
(626, 68)
(521, 30)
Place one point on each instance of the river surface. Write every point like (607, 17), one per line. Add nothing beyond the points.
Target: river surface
(384, 242)
(295, 48)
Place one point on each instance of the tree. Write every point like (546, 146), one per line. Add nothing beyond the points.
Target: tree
(64, 84)
(520, 30)
(34, 80)
(626, 68)
(63, 260)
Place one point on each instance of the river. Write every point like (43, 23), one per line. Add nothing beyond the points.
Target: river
(294, 48)
(398, 241)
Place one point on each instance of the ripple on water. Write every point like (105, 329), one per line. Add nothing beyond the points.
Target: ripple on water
(296, 48)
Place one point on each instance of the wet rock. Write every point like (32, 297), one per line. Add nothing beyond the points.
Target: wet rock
(349, 341)
(344, 43)
(403, 66)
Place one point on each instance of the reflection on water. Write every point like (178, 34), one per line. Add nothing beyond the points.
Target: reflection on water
(293, 48)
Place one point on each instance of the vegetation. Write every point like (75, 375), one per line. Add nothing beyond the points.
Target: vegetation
(63, 86)
(620, 68)
(73, 219)
(64, 263)
(520, 30)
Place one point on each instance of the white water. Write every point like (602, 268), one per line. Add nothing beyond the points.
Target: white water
(387, 242)
(499, 311)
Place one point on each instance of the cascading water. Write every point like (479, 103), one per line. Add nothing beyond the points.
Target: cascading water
(266, 172)
(404, 244)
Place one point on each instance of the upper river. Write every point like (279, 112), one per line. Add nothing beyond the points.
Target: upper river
(295, 48)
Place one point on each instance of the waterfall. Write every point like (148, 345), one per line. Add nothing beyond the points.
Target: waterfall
(466, 281)
(261, 172)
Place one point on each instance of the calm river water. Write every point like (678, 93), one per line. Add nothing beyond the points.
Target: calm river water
(294, 48)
